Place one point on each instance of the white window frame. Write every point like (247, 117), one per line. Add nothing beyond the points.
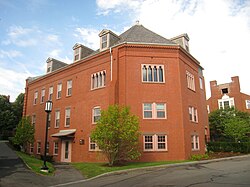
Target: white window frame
(33, 119)
(152, 66)
(56, 148)
(93, 114)
(59, 91)
(42, 95)
(35, 97)
(38, 147)
(77, 54)
(221, 102)
(102, 41)
(190, 81)
(96, 81)
(154, 110)
(67, 116)
(57, 118)
(49, 67)
(195, 142)
(69, 88)
(50, 93)
(201, 82)
(155, 143)
(193, 114)
(31, 148)
(247, 104)
(93, 143)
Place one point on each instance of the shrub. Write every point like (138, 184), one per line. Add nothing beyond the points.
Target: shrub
(242, 147)
(199, 157)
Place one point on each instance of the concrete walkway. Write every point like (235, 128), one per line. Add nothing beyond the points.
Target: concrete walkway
(14, 173)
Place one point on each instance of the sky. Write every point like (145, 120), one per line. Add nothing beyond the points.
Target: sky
(31, 31)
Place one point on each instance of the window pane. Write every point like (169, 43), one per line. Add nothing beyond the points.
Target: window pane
(150, 78)
(147, 114)
(160, 74)
(147, 106)
(160, 106)
(144, 72)
(226, 104)
(160, 114)
(155, 75)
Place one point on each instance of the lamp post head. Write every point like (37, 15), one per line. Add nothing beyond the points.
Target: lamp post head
(48, 106)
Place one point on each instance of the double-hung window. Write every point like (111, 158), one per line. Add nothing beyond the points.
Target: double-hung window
(193, 114)
(93, 146)
(42, 95)
(56, 148)
(31, 148)
(247, 104)
(195, 142)
(77, 54)
(50, 93)
(154, 110)
(33, 119)
(155, 142)
(35, 97)
(226, 102)
(152, 73)
(38, 148)
(104, 41)
(190, 81)
(59, 91)
(67, 117)
(57, 119)
(96, 113)
(69, 88)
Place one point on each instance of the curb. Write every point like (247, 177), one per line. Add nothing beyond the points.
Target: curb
(153, 168)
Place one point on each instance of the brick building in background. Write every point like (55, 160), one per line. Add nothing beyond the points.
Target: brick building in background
(228, 95)
(158, 78)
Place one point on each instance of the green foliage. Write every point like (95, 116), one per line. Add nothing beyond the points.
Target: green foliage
(229, 124)
(24, 133)
(199, 157)
(10, 114)
(242, 147)
(117, 134)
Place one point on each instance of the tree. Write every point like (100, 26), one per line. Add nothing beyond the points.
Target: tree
(7, 117)
(117, 134)
(17, 108)
(229, 123)
(24, 133)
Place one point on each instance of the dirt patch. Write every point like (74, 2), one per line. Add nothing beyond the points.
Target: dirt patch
(223, 154)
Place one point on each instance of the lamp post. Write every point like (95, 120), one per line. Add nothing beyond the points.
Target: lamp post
(48, 109)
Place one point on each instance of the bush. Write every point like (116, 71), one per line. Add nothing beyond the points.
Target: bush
(199, 157)
(242, 147)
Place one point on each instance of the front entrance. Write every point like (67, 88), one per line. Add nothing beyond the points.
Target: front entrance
(66, 151)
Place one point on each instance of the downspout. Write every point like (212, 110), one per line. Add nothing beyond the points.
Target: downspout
(111, 63)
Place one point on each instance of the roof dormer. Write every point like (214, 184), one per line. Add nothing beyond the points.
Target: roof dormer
(107, 39)
(53, 64)
(182, 40)
(81, 51)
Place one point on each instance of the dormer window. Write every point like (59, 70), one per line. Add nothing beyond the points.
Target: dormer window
(77, 54)
(224, 91)
(49, 67)
(104, 41)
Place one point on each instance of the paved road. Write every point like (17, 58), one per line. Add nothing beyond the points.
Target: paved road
(227, 173)
(14, 173)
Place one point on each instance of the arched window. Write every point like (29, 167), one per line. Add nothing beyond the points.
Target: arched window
(144, 73)
(100, 80)
(160, 74)
(96, 80)
(104, 78)
(150, 78)
(155, 74)
(93, 81)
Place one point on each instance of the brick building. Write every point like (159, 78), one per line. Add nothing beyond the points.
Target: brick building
(228, 95)
(158, 78)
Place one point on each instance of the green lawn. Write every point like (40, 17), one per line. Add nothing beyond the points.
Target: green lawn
(90, 170)
(35, 164)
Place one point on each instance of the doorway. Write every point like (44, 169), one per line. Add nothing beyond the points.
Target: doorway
(66, 151)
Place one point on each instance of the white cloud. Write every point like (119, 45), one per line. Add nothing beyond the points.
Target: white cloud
(12, 82)
(52, 38)
(54, 53)
(88, 37)
(219, 31)
(10, 54)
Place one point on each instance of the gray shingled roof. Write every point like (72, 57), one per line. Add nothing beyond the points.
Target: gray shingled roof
(140, 34)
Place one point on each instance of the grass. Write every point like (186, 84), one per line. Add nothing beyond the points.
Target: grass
(35, 164)
(90, 170)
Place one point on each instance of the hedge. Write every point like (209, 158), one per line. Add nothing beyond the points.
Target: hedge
(242, 147)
